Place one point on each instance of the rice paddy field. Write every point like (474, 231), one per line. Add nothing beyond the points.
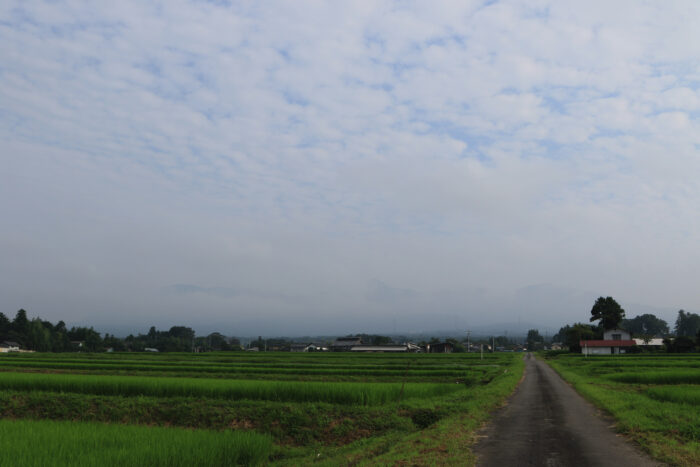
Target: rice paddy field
(240, 408)
(655, 398)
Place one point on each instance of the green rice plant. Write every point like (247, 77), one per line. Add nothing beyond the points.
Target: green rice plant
(293, 391)
(454, 371)
(679, 394)
(659, 377)
(43, 443)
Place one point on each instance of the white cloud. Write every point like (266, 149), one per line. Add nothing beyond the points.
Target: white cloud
(304, 150)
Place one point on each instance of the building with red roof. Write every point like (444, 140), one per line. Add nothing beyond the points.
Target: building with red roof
(615, 341)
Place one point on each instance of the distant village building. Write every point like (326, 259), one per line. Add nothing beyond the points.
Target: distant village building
(302, 347)
(440, 347)
(9, 346)
(615, 341)
(309, 347)
(380, 348)
(655, 342)
(415, 348)
(345, 344)
(150, 349)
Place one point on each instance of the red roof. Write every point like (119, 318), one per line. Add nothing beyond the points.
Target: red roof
(607, 343)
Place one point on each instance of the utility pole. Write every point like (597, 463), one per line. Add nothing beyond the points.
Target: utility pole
(468, 346)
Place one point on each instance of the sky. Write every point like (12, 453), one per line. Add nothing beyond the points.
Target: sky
(299, 168)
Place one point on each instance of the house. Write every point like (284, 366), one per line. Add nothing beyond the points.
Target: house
(615, 341)
(616, 334)
(150, 349)
(440, 347)
(9, 346)
(345, 344)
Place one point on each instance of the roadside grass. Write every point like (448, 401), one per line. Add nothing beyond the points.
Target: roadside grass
(42, 443)
(657, 416)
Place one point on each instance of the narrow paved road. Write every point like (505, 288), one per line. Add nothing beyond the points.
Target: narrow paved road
(546, 423)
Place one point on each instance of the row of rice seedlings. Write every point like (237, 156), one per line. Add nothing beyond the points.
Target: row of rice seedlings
(42, 443)
(574, 359)
(275, 358)
(245, 370)
(206, 364)
(629, 362)
(678, 394)
(289, 360)
(288, 391)
(658, 377)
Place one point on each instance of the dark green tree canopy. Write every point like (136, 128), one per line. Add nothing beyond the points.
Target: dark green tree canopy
(21, 323)
(573, 335)
(534, 340)
(4, 324)
(608, 312)
(646, 325)
(43, 336)
(687, 324)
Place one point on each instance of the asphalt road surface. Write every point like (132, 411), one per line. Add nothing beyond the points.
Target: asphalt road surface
(546, 423)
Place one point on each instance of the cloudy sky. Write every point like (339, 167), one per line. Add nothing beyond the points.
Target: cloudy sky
(331, 167)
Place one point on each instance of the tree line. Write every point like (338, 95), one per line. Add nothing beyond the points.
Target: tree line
(43, 336)
(609, 314)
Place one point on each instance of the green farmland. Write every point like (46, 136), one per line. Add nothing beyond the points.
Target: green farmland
(247, 408)
(655, 398)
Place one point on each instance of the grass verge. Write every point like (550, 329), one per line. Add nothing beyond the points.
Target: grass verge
(666, 429)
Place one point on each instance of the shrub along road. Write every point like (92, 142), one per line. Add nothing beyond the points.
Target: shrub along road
(546, 423)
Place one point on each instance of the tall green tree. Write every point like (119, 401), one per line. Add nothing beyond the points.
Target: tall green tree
(576, 333)
(687, 324)
(217, 341)
(534, 340)
(4, 325)
(38, 336)
(608, 312)
(21, 324)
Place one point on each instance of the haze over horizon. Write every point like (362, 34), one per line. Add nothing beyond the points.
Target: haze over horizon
(287, 168)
